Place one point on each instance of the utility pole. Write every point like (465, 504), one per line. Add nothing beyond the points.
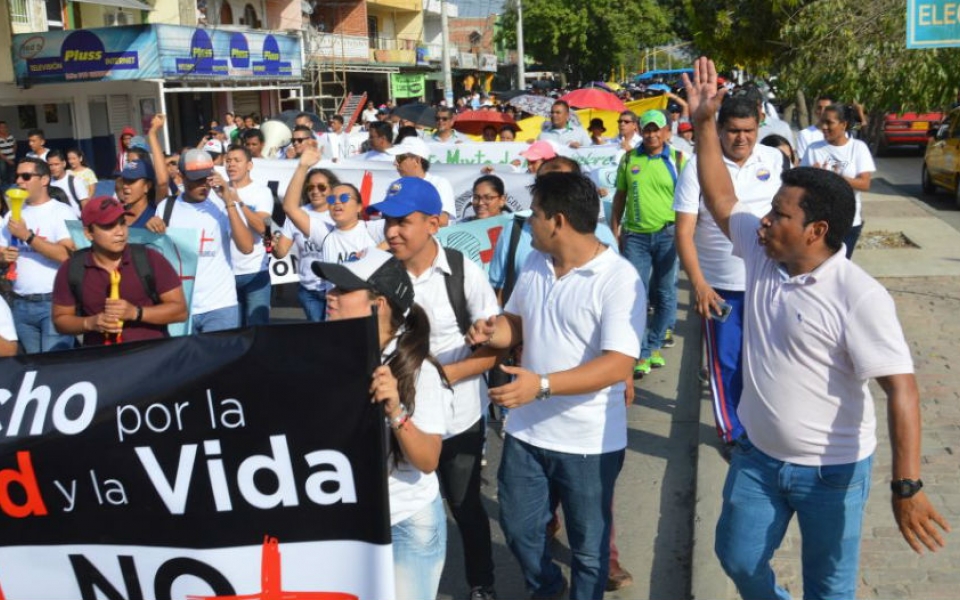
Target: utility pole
(445, 54)
(521, 74)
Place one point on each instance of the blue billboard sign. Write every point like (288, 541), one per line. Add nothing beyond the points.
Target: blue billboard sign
(153, 52)
(933, 24)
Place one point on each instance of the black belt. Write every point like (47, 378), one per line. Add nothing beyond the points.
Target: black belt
(34, 297)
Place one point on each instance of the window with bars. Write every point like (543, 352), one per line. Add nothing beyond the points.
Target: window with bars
(19, 12)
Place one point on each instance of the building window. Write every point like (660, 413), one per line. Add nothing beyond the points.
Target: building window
(250, 17)
(373, 30)
(19, 12)
(54, 15)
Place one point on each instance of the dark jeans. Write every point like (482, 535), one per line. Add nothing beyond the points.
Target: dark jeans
(459, 473)
(584, 484)
(850, 240)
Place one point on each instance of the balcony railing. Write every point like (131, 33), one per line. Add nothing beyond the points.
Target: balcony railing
(335, 46)
(388, 43)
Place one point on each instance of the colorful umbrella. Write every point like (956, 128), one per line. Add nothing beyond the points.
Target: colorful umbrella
(594, 98)
(474, 121)
(535, 105)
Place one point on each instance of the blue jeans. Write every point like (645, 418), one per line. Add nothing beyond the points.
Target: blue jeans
(850, 240)
(35, 329)
(217, 320)
(584, 485)
(253, 296)
(760, 497)
(419, 550)
(314, 304)
(654, 255)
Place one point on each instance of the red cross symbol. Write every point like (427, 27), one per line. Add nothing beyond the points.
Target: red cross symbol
(270, 588)
(204, 239)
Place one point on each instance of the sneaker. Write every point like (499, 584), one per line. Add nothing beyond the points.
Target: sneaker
(618, 578)
(656, 360)
(668, 341)
(483, 593)
(641, 368)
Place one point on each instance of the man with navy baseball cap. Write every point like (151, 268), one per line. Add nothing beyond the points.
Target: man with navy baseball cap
(412, 209)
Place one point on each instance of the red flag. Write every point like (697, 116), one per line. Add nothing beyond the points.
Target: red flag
(366, 190)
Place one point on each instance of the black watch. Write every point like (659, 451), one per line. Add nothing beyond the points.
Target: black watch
(906, 488)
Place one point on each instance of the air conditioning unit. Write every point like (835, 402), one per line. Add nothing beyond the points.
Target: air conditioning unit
(117, 18)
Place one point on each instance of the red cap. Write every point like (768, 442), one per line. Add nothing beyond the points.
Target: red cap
(102, 210)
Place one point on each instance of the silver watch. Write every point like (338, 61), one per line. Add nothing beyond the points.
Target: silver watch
(544, 392)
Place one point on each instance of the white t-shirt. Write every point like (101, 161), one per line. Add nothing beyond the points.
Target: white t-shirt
(755, 183)
(597, 307)
(7, 329)
(307, 251)
(774, 126)
(447, 199)
(369, 116)
(80, 191)
(258, 198)
(335, 146)
(215, 286)
(35, 272)
(810, 344)
(377, 155)
(446, 340)
(848, 160)
(411, 490)
(806, 137)
(343, 245)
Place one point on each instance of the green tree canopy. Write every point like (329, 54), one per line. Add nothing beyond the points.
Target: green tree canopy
(586, 40)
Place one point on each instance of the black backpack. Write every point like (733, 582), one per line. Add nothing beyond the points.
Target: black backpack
(141, 264)
(454, 284)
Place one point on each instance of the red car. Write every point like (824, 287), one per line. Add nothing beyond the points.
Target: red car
(904, 129)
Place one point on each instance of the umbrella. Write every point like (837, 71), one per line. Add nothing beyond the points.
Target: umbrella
(594, 98)
(507, 94)
(474, 121)
(600, 84)
(289, 117)
(417, 112)
(535, 105)
(659, 87)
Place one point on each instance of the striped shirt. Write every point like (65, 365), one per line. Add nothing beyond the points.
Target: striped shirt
(8, 147)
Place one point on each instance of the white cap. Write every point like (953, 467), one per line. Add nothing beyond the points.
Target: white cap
(410, 145)
(215, 147)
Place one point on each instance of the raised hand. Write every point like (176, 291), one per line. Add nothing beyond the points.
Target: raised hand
(703, 94)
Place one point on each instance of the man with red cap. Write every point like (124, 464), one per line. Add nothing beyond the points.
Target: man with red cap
(151, 295)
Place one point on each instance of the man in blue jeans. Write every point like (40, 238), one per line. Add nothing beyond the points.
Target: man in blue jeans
(33, 247)
(817, 328)
(642, 219)
(577, 308)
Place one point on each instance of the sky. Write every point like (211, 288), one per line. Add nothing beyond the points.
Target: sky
(479, 8)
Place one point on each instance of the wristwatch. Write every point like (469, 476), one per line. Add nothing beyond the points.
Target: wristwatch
(906, 488)
(544, 392)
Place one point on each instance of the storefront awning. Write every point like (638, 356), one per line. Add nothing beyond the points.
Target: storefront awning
(131, 4)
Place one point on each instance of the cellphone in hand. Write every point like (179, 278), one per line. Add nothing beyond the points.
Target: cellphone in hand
(725, 310)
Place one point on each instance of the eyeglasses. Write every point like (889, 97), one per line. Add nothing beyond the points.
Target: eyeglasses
(484, 199)
(299, 140)
(443, 118)
(318, 187)
(342, 198)
(625, 121)
(27, 176)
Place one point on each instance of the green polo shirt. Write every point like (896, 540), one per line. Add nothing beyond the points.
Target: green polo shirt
(649, 182)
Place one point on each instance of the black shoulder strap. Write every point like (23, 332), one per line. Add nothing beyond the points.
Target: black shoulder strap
(73, 192)
(141, 264)
(511, 276)
(454, 283)
(75, 271)
(168, 209)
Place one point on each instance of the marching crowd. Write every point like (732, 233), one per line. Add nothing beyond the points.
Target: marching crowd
(571, 312)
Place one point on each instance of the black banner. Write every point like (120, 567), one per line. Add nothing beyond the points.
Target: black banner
(197, 443)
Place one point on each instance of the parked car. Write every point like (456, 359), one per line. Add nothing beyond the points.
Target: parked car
(903, 129)
(941, 161)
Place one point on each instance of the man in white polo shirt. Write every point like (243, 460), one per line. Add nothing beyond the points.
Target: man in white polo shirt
(412, 211)
(217, 218)
(716, 275)
(817, 328)
(578, 309)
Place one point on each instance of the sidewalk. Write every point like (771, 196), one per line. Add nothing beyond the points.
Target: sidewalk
(925, 283)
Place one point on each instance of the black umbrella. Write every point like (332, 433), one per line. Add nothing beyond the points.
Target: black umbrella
(508, 94)
(289, 118)
(417, 112)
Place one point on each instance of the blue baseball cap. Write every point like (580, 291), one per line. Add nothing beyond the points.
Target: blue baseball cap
(135, 169)
(407, 195)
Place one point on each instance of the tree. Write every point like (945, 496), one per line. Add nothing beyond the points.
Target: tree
(585, 40)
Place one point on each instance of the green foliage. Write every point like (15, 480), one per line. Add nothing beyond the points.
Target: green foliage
(586, 40)
(857, 50)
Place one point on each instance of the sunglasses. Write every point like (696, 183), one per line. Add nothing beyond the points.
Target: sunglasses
(299, 140)
(318, 187)
(342, 198)
(26, 176)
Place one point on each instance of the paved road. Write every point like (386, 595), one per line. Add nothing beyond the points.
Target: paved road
(901, 171)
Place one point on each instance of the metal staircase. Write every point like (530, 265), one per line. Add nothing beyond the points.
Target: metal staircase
(352, 108)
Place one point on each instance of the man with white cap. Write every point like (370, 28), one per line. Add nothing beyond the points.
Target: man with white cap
(413, 160)
(216, 214)
(412, 209)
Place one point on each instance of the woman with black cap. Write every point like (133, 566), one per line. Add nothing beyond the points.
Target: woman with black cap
(413, 392)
